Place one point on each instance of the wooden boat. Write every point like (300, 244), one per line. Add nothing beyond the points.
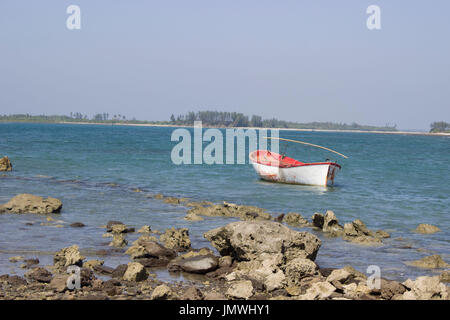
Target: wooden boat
(272, 166)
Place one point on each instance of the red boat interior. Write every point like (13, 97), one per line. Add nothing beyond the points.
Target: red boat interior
(273, 159)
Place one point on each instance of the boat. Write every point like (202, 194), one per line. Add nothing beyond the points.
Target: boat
(274, 167)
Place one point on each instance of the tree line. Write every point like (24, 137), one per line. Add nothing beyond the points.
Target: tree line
(440, 126)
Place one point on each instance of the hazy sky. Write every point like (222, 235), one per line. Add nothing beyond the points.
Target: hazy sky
(293, 60)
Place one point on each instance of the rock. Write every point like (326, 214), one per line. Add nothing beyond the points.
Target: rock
(200, 264)
(318, 290)
(28, 203)
(340, 275)
(293, 291)
(295, 219)
(382, 234)
(77, 225)
(214, 296)
(355, 273)
(68, 256)
(14, 281)
(445, 276)
(275, 280)
(299, 268)
(118, 228)
(225, 261)
(389, 289)
(39, 274)
(91, 264)
(5, 164)
(149, 249)
(135, 272)
(177, 239)
(364, 240)
(318, 220)
(59, 283)
(248, 240)
(162, 292)
(425, 288)
(426, 229)
(172, 200)
(430, 262)
(229, 210)
(101, 269)
(193, 217)
(192, 293)
(240, 289)
(119, 271)
(15, 259)
(349, 230)
(331, 224)
(118, 240)
(153, 262)
(145, 229)
(31, 262)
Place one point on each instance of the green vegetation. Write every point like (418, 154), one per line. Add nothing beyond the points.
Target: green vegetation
(235, 119)
(208, 118)
(440, 126)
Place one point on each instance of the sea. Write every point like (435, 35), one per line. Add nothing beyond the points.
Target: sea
(391, 182)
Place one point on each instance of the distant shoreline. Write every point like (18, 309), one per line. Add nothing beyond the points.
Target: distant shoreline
(417, 133)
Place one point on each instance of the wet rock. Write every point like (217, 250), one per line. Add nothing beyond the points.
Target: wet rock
(192, 293)
(162, 292)
(68, 256)
(240, 290)
(77, 225)
(91, 264)
(5, 164)
(193, 217)
(426, 229)
(135, 272)
(118, 240)
(145, 229)
(295, 219)
(39, 274)
(31, 262)
(425, 288)
(318, 220)
(119, 271)
(200, 264)
(172, 200)
(318, 290)
(231, 210)
(247, 240)
(177, 239)
(382, 234)
(15, 259)
(331, 224)
(430, 262)
(149, 249)
(28, 203)
(299, 268)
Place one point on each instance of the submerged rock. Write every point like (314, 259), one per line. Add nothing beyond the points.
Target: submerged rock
(248, 240)
(177, 239)
(231, 210)
(426, 229)
(430, 262)
(28, 203)
(5, 164)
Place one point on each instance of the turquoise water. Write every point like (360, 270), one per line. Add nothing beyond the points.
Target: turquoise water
(391, 182)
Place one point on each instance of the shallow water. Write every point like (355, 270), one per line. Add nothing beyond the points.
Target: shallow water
(391, 182)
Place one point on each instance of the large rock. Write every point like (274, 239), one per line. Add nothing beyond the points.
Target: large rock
(177, 239)
(230, 210)
(39, 274)
(198, 264)
(425, 288)
(28, 203)
(426, 228)
(299, 268)
(430, 262)
(142, 248)
(135, 272)
(295, 219)
(68, 256)
(331, 224)
(248, 240)
(240, 290)
(5, 164)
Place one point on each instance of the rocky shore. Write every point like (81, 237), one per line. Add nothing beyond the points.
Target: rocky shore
(259, 257)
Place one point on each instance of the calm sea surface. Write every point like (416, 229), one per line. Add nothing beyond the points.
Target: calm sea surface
(391, 182)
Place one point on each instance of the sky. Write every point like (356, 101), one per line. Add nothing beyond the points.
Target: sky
(293, 60)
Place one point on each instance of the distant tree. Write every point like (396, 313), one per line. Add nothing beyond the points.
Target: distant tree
(172, 118)
(440, 126)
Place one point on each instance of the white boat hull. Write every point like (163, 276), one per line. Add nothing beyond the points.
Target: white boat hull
(317, 174)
